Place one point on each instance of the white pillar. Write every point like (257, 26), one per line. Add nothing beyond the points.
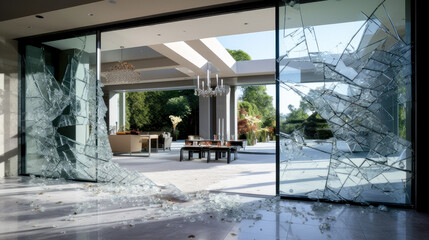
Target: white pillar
(233, 112)
(113, 112)
(123, 110)
(205, 118)
(118, 109)
(223, 113)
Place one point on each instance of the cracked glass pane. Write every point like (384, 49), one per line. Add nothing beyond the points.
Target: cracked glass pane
(345, 99)
(65, 132)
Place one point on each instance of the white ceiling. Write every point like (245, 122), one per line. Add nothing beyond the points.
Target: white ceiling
(60, 16)
(214, 26)
(20, 20)
(158, 36)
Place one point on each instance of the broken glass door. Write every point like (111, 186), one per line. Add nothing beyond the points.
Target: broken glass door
(345, 98)
(64, 130)
(61, 108)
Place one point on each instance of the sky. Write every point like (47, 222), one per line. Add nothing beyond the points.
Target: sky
(259, 45)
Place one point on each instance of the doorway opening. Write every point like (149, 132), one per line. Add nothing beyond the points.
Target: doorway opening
(172, 59)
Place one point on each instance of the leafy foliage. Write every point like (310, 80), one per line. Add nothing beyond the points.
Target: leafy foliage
(256, 104)
(250, 109)
(136, 107)
(313, 126)
(258, 96)
(248, 126)
(157, 106)
(178, 106)
(239, 55)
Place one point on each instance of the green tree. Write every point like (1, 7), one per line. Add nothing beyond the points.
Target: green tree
(315, 127)
(150, 110)
(178, 106)
(312, 126)
(158, 118)
(239, 55)
(293, 120)
(136, 110)
(250, 108)
(296, 114)
(258, 96)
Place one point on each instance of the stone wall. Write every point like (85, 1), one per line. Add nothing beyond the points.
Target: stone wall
(8, 107)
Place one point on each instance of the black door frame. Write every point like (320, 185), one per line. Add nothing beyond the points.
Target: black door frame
(420, 177)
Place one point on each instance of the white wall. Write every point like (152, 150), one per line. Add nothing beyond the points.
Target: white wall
(8, 107)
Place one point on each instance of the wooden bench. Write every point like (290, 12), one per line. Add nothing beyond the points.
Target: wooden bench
(223, 149)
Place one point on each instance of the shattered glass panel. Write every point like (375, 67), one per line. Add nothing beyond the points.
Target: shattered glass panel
(65, 132)
(345, 99)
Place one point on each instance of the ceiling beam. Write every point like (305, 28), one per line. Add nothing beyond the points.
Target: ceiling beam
(212, 50)
(153, 86)
(179, 58)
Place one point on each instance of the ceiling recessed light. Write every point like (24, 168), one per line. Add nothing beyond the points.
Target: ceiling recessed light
(246, 23)
(159, 34)
(39, 16)
(28, 27)
(90, 14)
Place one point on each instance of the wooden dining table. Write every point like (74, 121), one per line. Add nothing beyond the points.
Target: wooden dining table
(201, 141)
(201, 149)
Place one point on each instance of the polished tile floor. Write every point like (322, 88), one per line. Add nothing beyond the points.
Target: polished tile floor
(33, 208)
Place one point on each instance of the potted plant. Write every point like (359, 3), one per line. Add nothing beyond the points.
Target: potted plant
(175, 120)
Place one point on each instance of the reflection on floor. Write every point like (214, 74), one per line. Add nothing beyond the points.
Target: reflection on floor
(33, 208)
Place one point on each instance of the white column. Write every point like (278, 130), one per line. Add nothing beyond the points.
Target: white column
(120, 110)
(233, 112)
(205, 118)
(113, 111)
(223, 113)
(123, 110)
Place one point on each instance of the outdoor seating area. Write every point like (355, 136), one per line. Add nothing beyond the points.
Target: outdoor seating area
(136, 142)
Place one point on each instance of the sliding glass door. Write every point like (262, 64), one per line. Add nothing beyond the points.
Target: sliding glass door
(344, 84)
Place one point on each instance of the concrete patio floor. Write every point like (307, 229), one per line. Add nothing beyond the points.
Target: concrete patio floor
(252, 173)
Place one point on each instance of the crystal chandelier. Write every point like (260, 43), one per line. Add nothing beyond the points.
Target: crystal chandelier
(122, 73)
(207, 91)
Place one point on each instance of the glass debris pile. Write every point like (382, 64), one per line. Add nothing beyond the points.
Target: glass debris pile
(68, 207)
